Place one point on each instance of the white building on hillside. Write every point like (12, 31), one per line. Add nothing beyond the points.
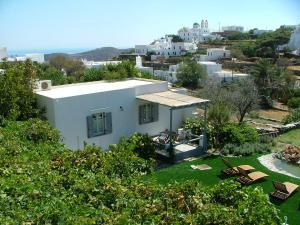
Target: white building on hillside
(294, 43)
(35, 57)
(101, 113)
(139, 65)
(233, 28)
(98, 64)
(214, 54)
(214, 70)
(211, 67)
(142, 49)
(168, 75)
(199, 33)
(165, 47)
(229, 76)
(3, 53)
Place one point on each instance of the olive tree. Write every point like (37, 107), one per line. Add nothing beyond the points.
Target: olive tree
(190, 74)
(243, 97)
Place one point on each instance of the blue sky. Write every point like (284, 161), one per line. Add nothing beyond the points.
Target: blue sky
(46, 24)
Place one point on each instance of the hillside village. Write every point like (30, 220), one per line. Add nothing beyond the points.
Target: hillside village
(127, 139)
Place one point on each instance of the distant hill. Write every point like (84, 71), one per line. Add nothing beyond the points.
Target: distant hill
(98, 54)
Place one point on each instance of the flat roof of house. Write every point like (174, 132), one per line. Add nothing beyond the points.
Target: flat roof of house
(70, 90)
(208, 63)
(172, 99)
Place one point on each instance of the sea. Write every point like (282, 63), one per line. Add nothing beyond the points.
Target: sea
(22, 52)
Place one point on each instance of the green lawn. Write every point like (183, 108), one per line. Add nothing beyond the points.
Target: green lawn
(183, 171)
(292, 137)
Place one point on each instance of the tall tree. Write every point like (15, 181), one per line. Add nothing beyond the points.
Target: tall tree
(244, 97)
(17, 99)
(73, 67)
(272, 81)
(190, 74)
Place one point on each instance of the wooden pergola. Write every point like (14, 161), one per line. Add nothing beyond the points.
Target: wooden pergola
(176, 101)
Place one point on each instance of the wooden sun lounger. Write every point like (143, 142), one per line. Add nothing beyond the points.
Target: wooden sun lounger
(230, 170)
(250, 177)
(283, 190)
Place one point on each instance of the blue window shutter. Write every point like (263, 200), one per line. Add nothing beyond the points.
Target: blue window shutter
(141, 113)
(108, 123)
(155, 112)
(89, 122)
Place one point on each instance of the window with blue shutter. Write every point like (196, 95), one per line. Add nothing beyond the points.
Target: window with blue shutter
(99, 124)
(148, 113)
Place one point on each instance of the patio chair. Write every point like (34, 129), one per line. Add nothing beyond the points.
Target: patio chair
(283, 190)
(231, 171)
(163, 139)
(249, 178)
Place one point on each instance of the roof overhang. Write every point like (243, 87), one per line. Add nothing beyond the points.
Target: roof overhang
(172, 99)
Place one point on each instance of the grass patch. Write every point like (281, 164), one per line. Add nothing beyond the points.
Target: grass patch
(292, 137)
(273, 114)
(183, 172)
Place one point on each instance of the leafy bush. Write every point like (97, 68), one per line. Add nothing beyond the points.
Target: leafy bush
(41, 131)
(293, 116)
(294, 103)
(142, 145)
(196, 125)
(92, 74)
(45, 183)
(237, 134)
(191, 74)
(245, 149)
(56, 76)
(17, 99)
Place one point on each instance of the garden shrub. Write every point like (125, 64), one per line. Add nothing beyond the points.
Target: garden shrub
(294, 103)
(142, 145)
(245, 149)
(45, 183)
(293, 116)
(196, 125)
(39, 131)
(266, 139)
(237, 134)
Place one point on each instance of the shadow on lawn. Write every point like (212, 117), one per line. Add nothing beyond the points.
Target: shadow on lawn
(275, 201)
(223, 176)
(210, 156)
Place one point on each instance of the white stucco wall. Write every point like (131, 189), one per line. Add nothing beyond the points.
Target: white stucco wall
(211, 67)
(68, 114)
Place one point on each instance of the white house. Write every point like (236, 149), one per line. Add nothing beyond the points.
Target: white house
(168, 75)
(233, 28)
(142, 49)
(165, 47)
(228, 76)
(215, 54)
(3, 53)
(214, 70)
(139, 65)
(35, 57)
(211, 67)
(101, 113)
(198, 33)
(98, 64)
